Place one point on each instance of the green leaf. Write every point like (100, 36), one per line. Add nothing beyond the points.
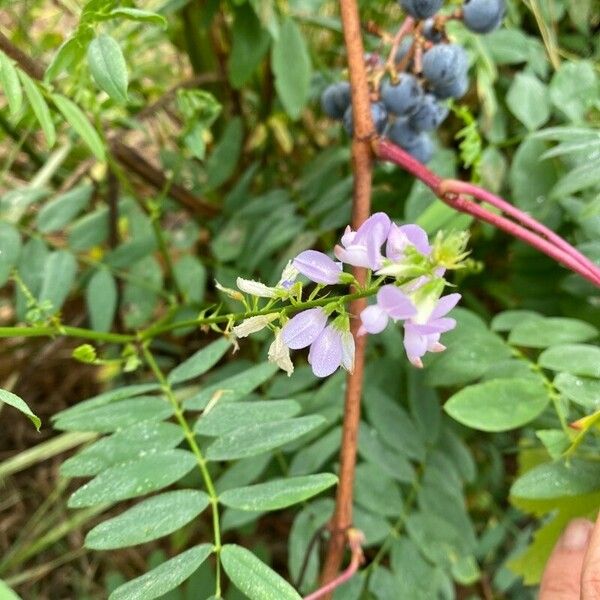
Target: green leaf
(39, 107)
(372, 449)
(393, 424)
(90, 230)
(292, 84)
(250, 44)
(252, 577)
(18, 403)
(59, 275)
(577, 359)
(581, 390)
(377, 492)
(121, 393)
(190, 275)
(557, 480)
(233, 388)
(313, 456)
(108, 67)
(200, 362)
(582, 177)
(9, 80)
(134, 478)
(223, 160)
(498, 405)
(149, 520)
(528, 100)
(539, 332)
(76, 119)
(508, 319)
(127, 444)
(137, 14)
(57, 213)
(226, 418)
(574, 88)
(277, 494)
(472, 350)
(261, 437)
(165, 577)
(113, 417)
(69, 53)
(6, 593)
(10, 248)
(101, 297)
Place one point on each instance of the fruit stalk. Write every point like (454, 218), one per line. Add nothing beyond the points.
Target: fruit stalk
(526, 229)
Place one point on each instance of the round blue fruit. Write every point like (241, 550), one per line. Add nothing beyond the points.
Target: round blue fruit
(404, 97)
(431, 33)
(483, 16)
(429, 115)
(421, 9)
(402, 134)
(336, 99)
(422, 149)
(445, 63)
(455, 89)
(378, 113)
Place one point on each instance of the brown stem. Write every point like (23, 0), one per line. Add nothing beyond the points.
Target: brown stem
(361, 207)
(135, 162)
(29, 65)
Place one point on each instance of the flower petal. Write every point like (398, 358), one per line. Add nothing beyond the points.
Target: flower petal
(279, 354)
(395, 303)
(304, 328)
(402, 236)
(348, 350)
(318, 267)
(445, 305)
(374, 319)
(325, 354)
(256, 288)
(415, 345)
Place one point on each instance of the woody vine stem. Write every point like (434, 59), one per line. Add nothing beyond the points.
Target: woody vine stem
(461, 196)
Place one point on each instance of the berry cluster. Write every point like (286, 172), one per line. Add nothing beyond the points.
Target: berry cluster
(423, 70)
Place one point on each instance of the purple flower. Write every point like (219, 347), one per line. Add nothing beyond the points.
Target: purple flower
(392, 303)
(406, 235)
(302, 330)
(362, 248)
(332, 349)
(422, 333)
(318, 267)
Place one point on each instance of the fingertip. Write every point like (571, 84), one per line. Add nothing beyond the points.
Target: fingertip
(576, 536)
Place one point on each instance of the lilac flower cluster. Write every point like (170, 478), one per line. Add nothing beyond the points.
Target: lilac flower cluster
(413, 298)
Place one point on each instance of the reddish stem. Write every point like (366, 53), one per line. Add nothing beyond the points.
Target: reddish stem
(450, 193)
(461, 187)
(355, 539)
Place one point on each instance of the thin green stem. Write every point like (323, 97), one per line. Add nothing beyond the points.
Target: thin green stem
(552, 391)
(191, 440)
(160, 328)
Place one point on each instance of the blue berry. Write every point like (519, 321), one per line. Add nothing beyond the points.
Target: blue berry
(431, 33)
(429, 115)
(421, 9)
(483, 16)
(336, 99)
(445, 63)
(402, 98)
(378, 113)
(455, 89)
(402, 134)
(422, 149)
